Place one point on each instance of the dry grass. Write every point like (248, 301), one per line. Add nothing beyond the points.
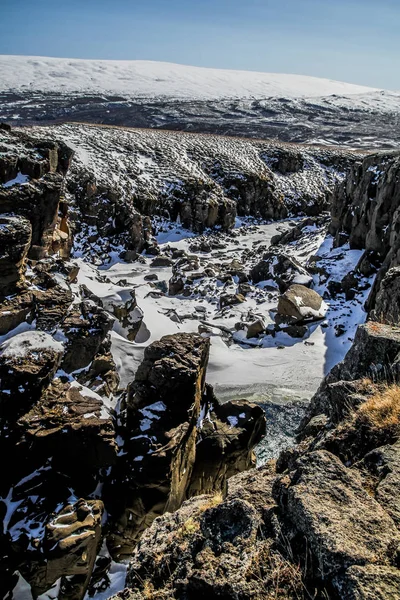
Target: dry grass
(277, 578)
(382, 410)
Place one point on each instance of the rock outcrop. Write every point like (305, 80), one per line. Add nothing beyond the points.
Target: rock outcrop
(166, 452)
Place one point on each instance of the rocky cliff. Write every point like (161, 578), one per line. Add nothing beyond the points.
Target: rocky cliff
(92, 464)
(323, 520)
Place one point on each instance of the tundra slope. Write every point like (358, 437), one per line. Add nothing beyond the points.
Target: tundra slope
(166, 96)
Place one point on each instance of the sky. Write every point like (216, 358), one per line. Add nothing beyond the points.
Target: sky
(357, 41)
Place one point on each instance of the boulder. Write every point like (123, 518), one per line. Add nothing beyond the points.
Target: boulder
(230, 300)
(282, 269)
(161, 261)
(301, 304)
(15, 241)
(255, 328)
(72, 424)
(342, 523)
(28, 362)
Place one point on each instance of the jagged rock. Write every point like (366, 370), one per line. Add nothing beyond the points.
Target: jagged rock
(296, 232)
(85, 328)
(15, 240)
(102, 375)
(381, 471)
(226, 441)
(369, 582)
(28, 362)
(281, 268)
(215, 547)
(51, 307)
(39, 203)
(342, 523)
(374, 349)
(71, 424)
(300, 303)
(164, 405)
(387, 303)
(70, 545)
(14, 311)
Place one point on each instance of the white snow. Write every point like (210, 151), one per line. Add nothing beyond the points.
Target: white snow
(18, 179)
(147, 79)
(29, 342)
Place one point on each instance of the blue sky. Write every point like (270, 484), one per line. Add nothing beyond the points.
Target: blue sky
(349, 40)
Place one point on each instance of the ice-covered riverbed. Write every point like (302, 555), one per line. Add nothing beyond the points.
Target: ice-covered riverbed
(265, 368)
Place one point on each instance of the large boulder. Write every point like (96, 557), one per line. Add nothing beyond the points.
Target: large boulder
(282, 269)
(72, 424)
(28, 362)
(342, 523)
(301, 304)
(15, 241)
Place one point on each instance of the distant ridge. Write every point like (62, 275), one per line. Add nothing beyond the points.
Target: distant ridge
(144, 79)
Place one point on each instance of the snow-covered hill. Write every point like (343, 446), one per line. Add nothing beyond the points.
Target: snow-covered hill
(139, 78)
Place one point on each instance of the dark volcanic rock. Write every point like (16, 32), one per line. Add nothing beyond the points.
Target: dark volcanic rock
(28, 362)
(342, 523)
(70, 545)
(86, 328)
(71, 424)
(15, 241)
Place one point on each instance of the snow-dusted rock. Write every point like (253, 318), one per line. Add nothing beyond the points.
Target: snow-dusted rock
(301, 304)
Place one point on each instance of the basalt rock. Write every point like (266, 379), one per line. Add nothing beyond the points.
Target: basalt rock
(15, 241)
(342, 523)
(71, 424)
(16, 310)
(86, 328)
(164, 404)
(71, 542)
(28, 362)
(181, 441)
(387, 303)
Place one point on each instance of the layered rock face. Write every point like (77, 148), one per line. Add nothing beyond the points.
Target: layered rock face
(120, 177)
(365, 213)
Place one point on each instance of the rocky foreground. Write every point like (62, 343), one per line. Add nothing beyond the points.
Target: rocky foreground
(155, 470)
